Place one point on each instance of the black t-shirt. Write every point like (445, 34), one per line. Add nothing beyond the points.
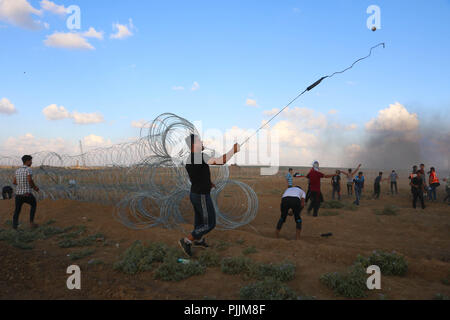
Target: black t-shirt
(336, 180)
(418, 182)
(199, 173)
(378, 180)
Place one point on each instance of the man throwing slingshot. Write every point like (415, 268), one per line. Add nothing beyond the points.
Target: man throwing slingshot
(197, 166)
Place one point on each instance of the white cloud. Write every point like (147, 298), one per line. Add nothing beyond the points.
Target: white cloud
(93, 140)
(395, 118)
(69, 40)
(122, 31)
(290, 134)
(28, 144)
(53, 112)
(251, 102)
(92, 33)
(87, 118)
(303, 117)
(195, 86)
(6, 107)
(333, 112)
(140, 124)
(53, 7)
(177, 88)
(19, 13)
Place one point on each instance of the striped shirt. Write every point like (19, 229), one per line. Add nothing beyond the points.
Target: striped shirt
(23, 186)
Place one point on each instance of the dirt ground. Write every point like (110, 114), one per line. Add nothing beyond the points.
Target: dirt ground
(422, 236)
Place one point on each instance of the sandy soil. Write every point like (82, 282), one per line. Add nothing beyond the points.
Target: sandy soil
(422, 236)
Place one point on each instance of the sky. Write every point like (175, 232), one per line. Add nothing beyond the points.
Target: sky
(230, 65)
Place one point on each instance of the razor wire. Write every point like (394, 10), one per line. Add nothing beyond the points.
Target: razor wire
(145, 179)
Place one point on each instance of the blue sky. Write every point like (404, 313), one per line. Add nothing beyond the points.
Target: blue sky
(266, 51)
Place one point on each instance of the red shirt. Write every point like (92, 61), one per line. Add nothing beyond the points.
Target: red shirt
(314, 180)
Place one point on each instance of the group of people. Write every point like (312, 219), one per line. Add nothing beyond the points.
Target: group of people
(421, 186)
(294, 198)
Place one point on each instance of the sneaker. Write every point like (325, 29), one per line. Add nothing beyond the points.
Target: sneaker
(186, 247)
(201, 243)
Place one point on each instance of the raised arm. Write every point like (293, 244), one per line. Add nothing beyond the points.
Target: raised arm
(220, 161)
(356, 170)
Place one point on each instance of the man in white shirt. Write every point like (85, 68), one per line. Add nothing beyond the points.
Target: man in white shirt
(294, 199)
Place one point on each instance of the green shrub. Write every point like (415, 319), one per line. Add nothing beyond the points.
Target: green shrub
(236, 265)
(77, 255)
(281, 272)
(349, 284)
(209, 258)
(23, 238)
(172, 270)
(391, 264)
(84, 242)
(333, 204)
(245, 266)
(268, 289)
(249, 250)
(140, 258)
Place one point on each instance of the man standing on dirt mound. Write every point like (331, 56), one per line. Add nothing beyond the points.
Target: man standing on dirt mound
(316, 196)
(197, 166)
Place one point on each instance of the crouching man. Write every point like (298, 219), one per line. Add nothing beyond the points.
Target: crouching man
(293, 199)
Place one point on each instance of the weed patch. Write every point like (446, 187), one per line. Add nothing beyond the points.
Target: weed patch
(349, 284)
(245, 266)
(391, 264)
(268, 289)
(172, 270)
(139, 258)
